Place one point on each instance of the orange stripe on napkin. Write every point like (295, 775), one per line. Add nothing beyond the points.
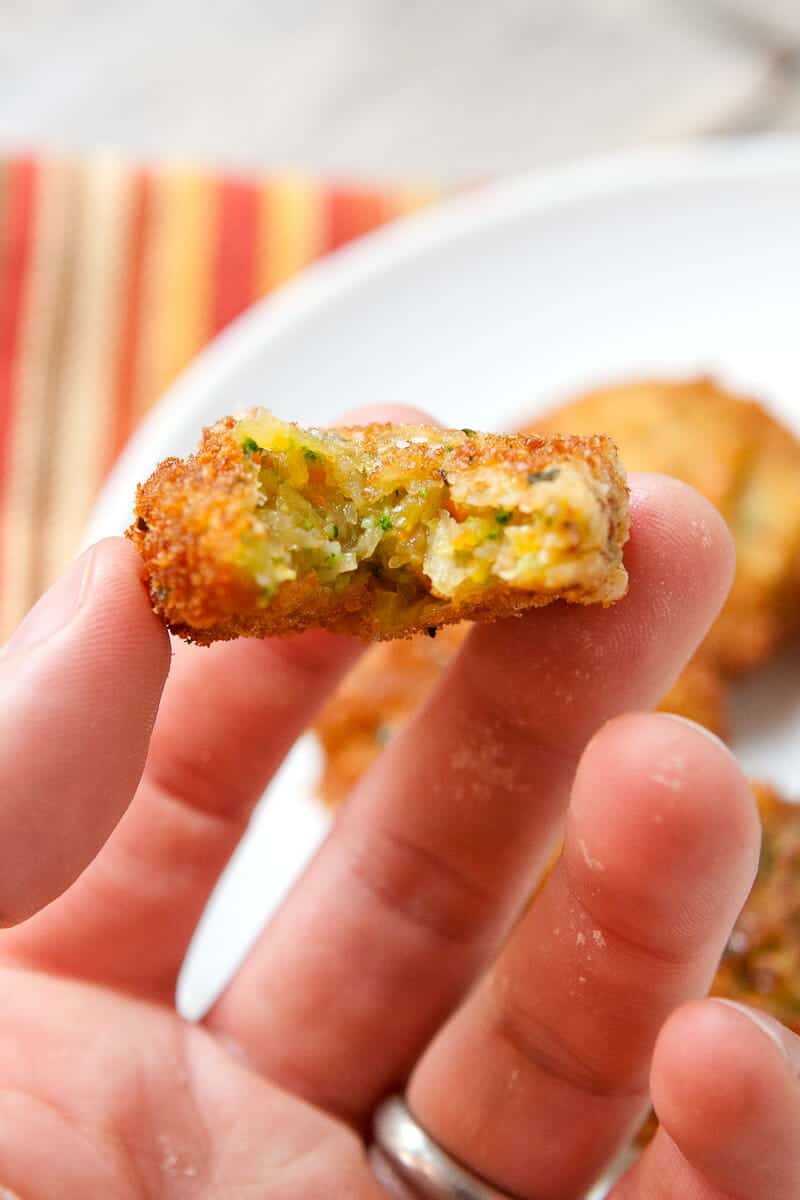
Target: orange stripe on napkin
(236, 260)
(352, 212)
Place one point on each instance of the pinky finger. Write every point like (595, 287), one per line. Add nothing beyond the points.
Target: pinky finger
(725, 1087)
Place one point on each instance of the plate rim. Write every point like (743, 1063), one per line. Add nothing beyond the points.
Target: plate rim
(465, 213)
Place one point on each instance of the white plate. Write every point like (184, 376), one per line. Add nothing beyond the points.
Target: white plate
(482, 311)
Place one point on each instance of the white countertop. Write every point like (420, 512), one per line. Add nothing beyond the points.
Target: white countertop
(441, 89)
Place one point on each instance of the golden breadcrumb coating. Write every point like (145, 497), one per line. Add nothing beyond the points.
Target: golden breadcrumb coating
(742, 460)
(379, 531)
(761, 963)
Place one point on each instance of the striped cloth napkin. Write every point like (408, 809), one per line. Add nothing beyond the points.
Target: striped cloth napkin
(112, 278)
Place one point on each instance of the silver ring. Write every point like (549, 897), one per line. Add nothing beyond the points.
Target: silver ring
(420, 1162)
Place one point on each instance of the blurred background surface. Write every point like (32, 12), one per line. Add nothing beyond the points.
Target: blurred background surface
(441, 89)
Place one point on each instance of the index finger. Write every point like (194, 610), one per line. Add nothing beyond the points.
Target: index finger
(441, 843)
(229, 715)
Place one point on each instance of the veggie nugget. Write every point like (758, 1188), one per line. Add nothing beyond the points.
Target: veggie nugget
(379, 531)
(761, 964)
(741, 459)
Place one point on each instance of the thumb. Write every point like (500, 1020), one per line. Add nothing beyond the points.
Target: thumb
(80, 683)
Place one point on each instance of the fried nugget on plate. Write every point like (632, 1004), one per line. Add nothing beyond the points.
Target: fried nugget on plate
(379, 531)
(741, 459)
(761, 963)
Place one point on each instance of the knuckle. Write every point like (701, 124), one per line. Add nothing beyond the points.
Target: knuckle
(541, 1046)
(419, 887)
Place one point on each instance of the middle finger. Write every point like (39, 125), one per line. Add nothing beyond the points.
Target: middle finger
(439, 848)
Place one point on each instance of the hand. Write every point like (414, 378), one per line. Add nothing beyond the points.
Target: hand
(406, 956)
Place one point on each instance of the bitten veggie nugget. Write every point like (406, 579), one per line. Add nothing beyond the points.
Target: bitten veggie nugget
(380, 531)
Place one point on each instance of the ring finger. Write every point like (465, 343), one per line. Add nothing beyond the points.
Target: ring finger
(543, 1072)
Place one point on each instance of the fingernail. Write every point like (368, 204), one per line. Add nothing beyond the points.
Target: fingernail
(54, 609)
(783, 1038)
(712, 737)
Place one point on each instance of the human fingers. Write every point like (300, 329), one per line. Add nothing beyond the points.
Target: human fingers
(543, 1073)
(725, 1086)
(438, 849)
(229, 715)
(80, 683)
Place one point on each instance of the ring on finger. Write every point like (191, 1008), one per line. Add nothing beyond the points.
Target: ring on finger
(419, 1162)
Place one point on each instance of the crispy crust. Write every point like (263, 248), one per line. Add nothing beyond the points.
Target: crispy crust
(192, 515)
(741, 459)
(761, 963)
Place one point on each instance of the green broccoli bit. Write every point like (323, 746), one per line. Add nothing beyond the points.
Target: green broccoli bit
(544, 476)
(503, 518)
(385, 521)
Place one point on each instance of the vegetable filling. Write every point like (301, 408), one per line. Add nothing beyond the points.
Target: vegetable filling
(327, 507)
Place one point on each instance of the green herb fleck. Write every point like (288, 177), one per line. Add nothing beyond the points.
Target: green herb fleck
(544, 476)
(493, 536)
(310, 454)
(250, 447)
(448, 447)
(469, 432)
(333, 531)
(385, 521)
(503, 518)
